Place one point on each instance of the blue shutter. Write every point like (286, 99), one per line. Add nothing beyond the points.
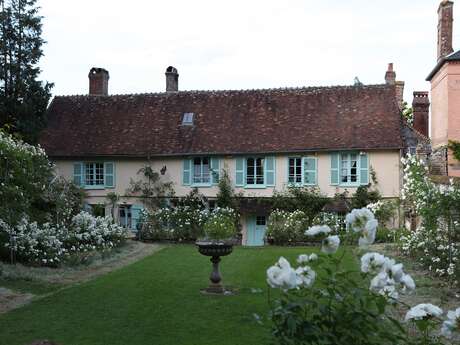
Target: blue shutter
(270, 171)
(239, 172)
(186, 178)
(78, 177)
(309, 170)
(363, 169)
(334, 168)
(136, 216)
(109, 175)
(215, 170)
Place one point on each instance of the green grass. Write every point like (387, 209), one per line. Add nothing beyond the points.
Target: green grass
(155, 301)
(27, 285)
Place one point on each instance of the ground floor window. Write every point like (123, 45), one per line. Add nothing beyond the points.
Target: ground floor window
(125, 216)
(98, 210)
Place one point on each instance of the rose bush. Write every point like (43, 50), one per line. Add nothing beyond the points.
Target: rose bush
(48, 244)
(322, 303)
(436, 241)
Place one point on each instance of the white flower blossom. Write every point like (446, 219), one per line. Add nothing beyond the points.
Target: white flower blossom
(318, 229)
(451, 324)
(423, 311)
(330, 244)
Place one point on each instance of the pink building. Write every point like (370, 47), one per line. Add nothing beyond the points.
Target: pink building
(445, 95)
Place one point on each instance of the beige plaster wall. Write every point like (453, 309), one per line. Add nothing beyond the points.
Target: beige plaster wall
(385, 163)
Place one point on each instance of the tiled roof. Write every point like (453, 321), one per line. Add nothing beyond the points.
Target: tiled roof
(455, 56)
(225, 122)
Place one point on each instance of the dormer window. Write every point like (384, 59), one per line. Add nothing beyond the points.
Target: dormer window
(187, 119)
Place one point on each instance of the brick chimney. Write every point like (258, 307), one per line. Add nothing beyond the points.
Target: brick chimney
(399, 85)
(172, 79)
(390, 79)
(421, 106)
(445, 19)
(390, 75)
(98, 82)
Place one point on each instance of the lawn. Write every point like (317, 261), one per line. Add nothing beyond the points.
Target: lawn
(155, 301)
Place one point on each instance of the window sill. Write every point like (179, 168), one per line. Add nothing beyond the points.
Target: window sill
(255, 186)
(201, 185)
(94, 187)
(349, 185)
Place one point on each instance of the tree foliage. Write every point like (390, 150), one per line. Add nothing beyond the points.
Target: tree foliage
(23, 98)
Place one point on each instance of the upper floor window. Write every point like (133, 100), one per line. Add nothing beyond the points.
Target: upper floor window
(94, 174)
(255, 171)
(295, 170)
(201, 170)
(349, 168)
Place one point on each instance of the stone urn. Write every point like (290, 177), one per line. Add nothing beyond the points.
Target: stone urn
(215, 250)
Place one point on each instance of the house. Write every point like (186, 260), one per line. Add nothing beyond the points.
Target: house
(445, 96)
(329, 137)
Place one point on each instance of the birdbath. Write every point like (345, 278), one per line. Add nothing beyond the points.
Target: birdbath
(215, 250)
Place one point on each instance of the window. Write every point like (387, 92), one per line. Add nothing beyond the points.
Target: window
(260, 220)
(98, 210)
(124, 216)
(349, 168)
(187, 119)
(255, 171)
(201, 170)
(295, 170)
(412, 150)
(94, 174)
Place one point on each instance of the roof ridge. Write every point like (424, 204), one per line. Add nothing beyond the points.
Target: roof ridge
(288, 89)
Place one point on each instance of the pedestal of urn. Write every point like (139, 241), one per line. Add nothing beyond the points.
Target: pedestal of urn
(215, 251)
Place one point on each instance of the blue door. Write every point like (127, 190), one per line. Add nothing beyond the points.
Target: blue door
(256, 227)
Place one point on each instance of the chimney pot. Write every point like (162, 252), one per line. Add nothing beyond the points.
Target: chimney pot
(390, 75)
(98, 81)
(445, 19)
(420, 106)
(172, 79)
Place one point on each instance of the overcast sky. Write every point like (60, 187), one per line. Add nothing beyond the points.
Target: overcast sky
(239, 44)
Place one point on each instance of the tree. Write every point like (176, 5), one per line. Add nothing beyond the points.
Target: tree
(23, 98)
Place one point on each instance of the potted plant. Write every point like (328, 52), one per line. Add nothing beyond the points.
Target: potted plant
(219, 236)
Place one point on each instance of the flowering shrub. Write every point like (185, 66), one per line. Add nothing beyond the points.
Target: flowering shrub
(383, 210)
(321, 303)
(25, 172)
(435, 243)
(221, 224)
(49, 244)
(183, 223)
(334, 221)
(286, 227)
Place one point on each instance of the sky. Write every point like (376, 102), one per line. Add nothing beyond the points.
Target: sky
(239, 44)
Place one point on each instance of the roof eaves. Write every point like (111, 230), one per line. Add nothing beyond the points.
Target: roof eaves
(133, 156)
(455, 56)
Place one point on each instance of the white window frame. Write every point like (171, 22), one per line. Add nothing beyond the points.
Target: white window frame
(254, 174)
(203, 179)
(349, 168)
(295, 176)
(93, 176)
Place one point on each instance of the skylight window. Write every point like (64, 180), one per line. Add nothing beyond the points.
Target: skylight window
(187, 119)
